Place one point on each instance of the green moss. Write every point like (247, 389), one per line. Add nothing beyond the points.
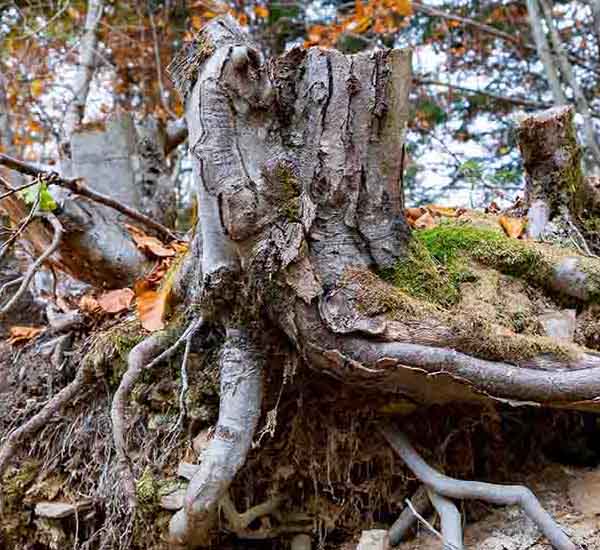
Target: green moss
(17, 480)
(447, 243)
(478, 336)
(146, 489)
(423, 275)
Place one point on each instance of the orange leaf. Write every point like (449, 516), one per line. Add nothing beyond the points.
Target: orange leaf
(403, 7)
(426, 221)
(149, 244)
(116, 300)
(151, 306)
(414, 213)
(19, 334)
(513, 227)
(261, 11)
(197, 22)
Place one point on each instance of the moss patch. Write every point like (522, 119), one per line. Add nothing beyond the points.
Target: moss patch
(423, 275)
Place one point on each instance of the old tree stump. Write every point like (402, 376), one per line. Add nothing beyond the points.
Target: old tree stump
(325, 307)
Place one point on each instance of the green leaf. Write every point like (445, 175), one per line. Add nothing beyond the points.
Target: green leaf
(47, 202)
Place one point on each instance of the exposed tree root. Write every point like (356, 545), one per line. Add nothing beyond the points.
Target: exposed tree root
(450, 520)
(421, 503)
(239, 411)
(496, 379)
(39, 420)
(488, 492)
(143, 356)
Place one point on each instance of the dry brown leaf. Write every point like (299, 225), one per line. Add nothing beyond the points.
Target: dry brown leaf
(149, 244)
(513, 227)
(89, 304)
(426, 221)
(20, 334)
(445, 211)
(115, 301)
(414, 213)
(151, 306)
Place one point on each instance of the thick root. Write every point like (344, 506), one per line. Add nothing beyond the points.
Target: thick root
(450, 520)
(488, 492)
(421, 504)
(240, 404)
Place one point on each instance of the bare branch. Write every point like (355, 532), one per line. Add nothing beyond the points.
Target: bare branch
(488, 492)
(77, 186)
(497, 97)
(513, 38)
(569, 75)
(85, 68)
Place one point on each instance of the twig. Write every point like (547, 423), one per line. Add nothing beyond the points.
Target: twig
(407, 518)
(15, 189)
(24, 224)
(58, 233)
(497, 97)
(488, 492)
(77, 186)
(423, 520)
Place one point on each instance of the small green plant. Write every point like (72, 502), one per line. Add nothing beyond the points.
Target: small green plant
(40, 189)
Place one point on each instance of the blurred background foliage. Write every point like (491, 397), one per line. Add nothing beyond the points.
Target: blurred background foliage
(476, 64)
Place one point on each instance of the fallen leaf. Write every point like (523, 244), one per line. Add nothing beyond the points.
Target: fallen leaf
(19, 334)
(414, 213)
(513, 227)
(115, 301)
(426, 221)
(445, 211)
(149, 244)
(151, 306)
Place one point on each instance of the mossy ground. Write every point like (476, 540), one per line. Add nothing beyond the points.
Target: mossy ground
(485, 288)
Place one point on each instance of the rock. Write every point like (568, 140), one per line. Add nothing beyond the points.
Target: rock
(584, 493)
(559, 324)
(301, 542)
(58, 510)
(374, 539)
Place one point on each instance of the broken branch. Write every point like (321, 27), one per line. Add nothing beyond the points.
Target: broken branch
(77, 186)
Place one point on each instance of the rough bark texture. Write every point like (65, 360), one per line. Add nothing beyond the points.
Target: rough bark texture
(552, 161)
